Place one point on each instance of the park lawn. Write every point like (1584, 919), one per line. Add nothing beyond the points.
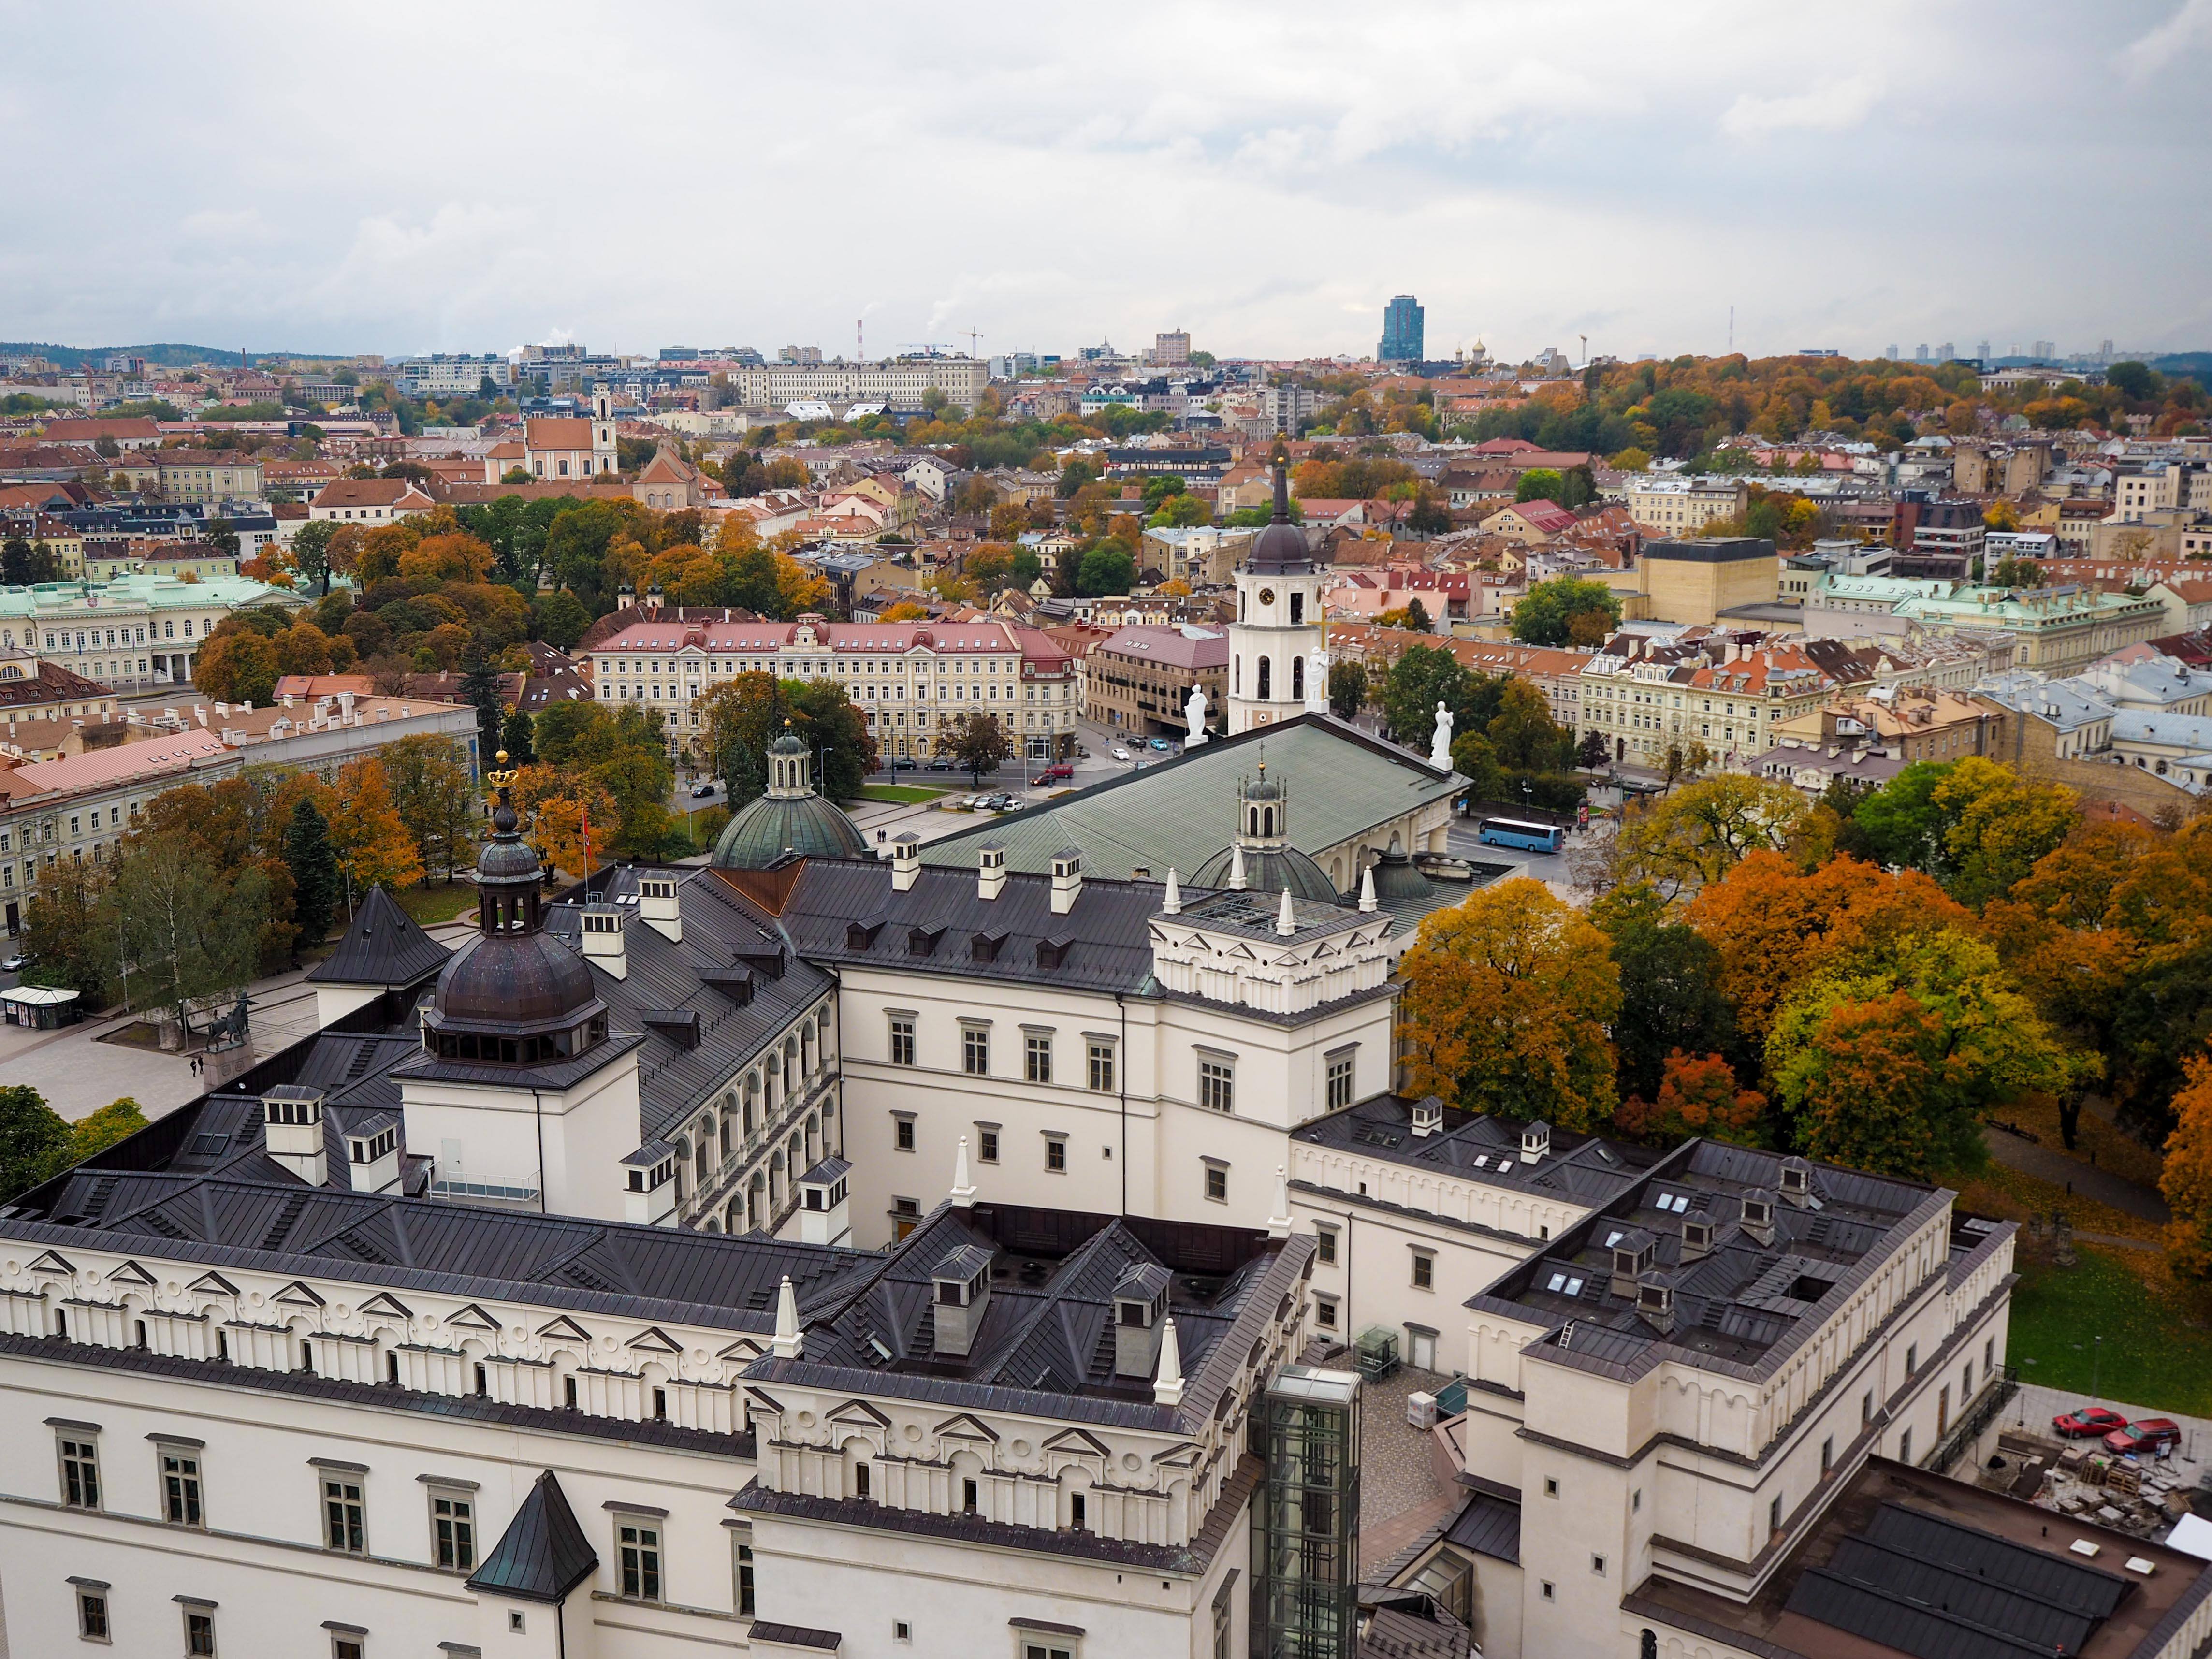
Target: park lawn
(904, 794)
(2152, 1353)
(432, 905)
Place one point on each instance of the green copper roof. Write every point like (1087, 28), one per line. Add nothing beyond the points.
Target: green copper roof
(764, 829)
(1339, 782)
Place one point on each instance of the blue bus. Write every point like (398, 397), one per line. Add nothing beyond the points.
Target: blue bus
(1518, 832)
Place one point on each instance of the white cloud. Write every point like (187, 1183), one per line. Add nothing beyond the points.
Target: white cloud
(2190, 26)
(1050, 177)
(1835, 107)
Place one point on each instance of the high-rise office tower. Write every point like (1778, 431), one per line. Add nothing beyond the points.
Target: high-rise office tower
(1401, 331)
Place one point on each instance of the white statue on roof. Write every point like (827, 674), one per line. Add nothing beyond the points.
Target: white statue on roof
(1194, 713)
(1318, 684)
(1440, 745)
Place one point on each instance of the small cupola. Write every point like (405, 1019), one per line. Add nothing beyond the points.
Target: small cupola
(961, 1287)
(824, 1206)
(1140, 1307)
(1654, 1302)
(1697, 1237)
(1428, 1116)
(1535, 1140)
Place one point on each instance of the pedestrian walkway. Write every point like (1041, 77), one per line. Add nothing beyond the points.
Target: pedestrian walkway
(2085, 1181)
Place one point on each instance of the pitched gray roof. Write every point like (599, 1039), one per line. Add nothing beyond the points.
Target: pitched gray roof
(543, 1554)
(385, 946)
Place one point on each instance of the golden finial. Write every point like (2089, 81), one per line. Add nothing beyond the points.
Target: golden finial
(501, 775)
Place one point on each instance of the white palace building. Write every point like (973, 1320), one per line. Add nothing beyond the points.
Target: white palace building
(822, 1255)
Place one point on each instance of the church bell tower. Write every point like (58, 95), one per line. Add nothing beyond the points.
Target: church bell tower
(1276, 643)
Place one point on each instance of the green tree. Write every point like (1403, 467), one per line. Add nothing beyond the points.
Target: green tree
(515, 737)
(222, 536)
(1523, 732)
(1565, 611)
(979, 743)
(1347, 688)
(433, 795)
(22, 564)
(311, 552)
(1591, 753)
(1422, 677)
(318, 888)
(1539, 483)
(95, 1132)
(1670, 987)
(35, 1140)
(480, 689)
(1160, 487)
(189, 931)
(1106, 568)
(559, 618)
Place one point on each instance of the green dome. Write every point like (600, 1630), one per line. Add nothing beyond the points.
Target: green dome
(1269, 870)
(765, 829)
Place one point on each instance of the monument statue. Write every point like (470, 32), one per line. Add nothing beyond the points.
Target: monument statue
(1194, 713)
(1318, 684)
(1440, 745)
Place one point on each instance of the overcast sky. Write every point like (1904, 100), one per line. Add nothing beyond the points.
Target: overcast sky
(470, 177)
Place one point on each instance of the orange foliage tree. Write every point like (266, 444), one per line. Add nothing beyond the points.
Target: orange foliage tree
(1508, 998)
(366, 833)
(2187, 1178)
(1776, 925)
(572, 820)
(1697, 1097)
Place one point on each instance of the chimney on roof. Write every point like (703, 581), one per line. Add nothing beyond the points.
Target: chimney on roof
(602, 939)
(906, 861)
(657, 906)
(1066, 879)
(961, 1284)
(1428, 1117)
(991, 870)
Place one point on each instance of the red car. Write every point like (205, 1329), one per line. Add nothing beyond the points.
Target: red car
(1055, 774)
(2086, 1420)
(2151, 1435)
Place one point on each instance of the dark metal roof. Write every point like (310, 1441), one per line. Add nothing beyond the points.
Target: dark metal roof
(767, 828)
(793, 1636)
(842, 910)
(1579, 1168)
(514, 983)
(1488, 1526)
(1269, 870)
(1933, 1587)
(384, 947)
(543, 1554)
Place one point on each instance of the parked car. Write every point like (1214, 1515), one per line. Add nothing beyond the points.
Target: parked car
(1121, 753)
(1159, 745)
(2085, 1421)
(16, 964)
(942, 764)
(2150, 1436)
(902, 763)
(700, 791)
(1000, 803)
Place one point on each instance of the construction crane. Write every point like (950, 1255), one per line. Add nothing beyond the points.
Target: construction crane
(974, 341)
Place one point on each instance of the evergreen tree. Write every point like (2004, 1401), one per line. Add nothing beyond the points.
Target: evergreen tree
(514, 737)
(317, 887)
(480, 690)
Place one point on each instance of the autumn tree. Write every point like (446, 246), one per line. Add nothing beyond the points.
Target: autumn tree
(1565, 611)
(569, 818)
(373, 846)
(1890, 1063)
(1695, 835)
(1508, 998)
(239, 667)
(2186, 1180)
(979, 743)
(1697, 1096)
(1776, 924)
(190, 932)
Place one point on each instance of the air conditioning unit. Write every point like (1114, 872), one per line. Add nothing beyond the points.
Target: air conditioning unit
(1421, 1410)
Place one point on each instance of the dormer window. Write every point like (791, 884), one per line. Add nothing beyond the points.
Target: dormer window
(1796, 1175)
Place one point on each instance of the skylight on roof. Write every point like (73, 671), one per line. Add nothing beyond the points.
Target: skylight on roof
(1612, 1238)
(1565, 1283)
(1504, 1164)
(1482, 1162)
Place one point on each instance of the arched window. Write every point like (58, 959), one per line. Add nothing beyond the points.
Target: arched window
(1236, 673)
(704, 1165)
(1299, 677)
(1267, 821)
(1266, 678)
(726, 1131)
(1647, 1645)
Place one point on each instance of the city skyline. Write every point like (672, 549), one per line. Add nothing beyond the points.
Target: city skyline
(1616, 175)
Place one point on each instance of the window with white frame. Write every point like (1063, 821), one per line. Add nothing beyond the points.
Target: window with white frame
(453, 1528)
(637, 1553)
(92, 1623)
(80, 1468)
(1340, 1081)
(1036, 1056)
(345, 1512)
(1101, 1058)
(180, 1482)
(975, 1050)
(902, 1042)
(1216, 1086)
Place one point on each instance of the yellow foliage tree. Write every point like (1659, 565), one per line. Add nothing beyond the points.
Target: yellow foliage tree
(572, 820)
(1508, 998)
(373, 844)
(2186, 1180)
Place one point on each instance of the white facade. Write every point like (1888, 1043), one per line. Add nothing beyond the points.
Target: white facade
(1275, 646)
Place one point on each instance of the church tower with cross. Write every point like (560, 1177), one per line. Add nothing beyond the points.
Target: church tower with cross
(1277, 669)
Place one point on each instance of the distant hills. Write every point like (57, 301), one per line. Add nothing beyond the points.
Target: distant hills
(168, 355)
